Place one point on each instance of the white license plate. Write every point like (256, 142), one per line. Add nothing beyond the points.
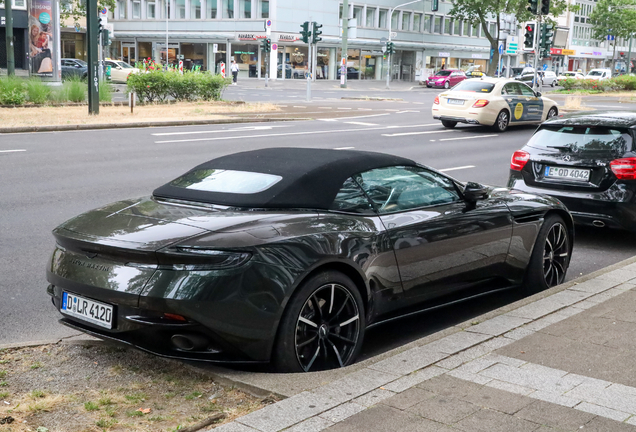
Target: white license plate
(567, 173)
(455, 101)
(97, 313)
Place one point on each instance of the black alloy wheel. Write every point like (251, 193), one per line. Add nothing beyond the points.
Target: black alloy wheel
(552, 112)
(323, 326)
(502, 122)
(550, 257)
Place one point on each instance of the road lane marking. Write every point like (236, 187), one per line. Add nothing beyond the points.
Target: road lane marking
(407, 111)
(363, 116)
(299, 106)
(457, 168)
(410, 126)
(243, 129)
(344, 148)
(416, 133)
(12, 151)
(468, 137)
(329, 119)
(344, 108)
(361, 123)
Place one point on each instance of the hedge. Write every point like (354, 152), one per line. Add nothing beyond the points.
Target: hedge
(158, 85)
(623, 82)
(19, 91)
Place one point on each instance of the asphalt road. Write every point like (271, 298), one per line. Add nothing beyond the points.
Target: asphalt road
(46, 178)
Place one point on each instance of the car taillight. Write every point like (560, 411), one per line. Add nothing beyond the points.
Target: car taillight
(480, 103)
(519, 160)
(624, 169)
(436, 101)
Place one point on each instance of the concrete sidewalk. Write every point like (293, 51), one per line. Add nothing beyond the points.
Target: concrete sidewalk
(562, 360)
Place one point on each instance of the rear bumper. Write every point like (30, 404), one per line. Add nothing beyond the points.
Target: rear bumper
(613, 208)
(457, 119)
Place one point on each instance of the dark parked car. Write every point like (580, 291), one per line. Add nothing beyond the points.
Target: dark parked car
(587, 161)
(74, 68)
(352, 73)
(289, 254)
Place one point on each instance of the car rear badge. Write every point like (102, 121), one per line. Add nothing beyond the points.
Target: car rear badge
(566, 158)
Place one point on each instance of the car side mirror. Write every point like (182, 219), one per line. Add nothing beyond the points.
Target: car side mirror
(474, 192)
(538, 94)
(119, 67)
(77, 66)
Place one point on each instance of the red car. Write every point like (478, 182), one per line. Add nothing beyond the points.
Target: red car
(446, 78)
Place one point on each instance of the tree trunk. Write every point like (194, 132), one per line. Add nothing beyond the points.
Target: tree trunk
(495, 58)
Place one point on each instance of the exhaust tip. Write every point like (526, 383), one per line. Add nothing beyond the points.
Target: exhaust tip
(598, 223)
(189, 342)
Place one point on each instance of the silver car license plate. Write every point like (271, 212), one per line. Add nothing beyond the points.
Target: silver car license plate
(455, 101)
(567, 173)
(97, 313)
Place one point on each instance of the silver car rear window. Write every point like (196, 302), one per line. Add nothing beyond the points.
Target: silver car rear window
(583, 139)
(226, 181)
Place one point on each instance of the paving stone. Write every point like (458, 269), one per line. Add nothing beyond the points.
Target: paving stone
(477, 365)
(353, 385)
(498, 400)
(620, 388)
(549, 305)
(468, 376)
(519, 333)
(408, 398)
(342, 412)
(492, 421)
(443, 409)
(601, 424)
(233, 427)
(512, 388)
(510, 361)
(555, 398)
(498, 325)
(457, 342)
(552, 318)
(555, 416)
(410, 360)
(527, 377)
(314, 424)
(618, 275)
(611, 399)
(595, 285)
(631, 420)
(449, 386)
(373, 397)
(382, 418)
(603, 411)
(414, 379)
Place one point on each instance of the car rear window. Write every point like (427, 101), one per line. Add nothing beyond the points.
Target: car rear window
(583, 140)
(443, 73)
(476, 85)
(226, 181)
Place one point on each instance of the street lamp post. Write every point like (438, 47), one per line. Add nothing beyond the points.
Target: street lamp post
(390, 18)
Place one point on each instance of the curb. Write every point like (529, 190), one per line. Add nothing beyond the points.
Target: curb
(371, 98)
(63, 128)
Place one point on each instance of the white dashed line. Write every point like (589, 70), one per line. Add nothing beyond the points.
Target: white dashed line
(361, 123)
(344, 148)
(12, 151)
(416, 133)
(468, 137)
(344, 108)
(457, 168)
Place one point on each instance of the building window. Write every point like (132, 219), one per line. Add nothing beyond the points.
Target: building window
(417, 22)
(246, 8)
(466, 29)
(210, 9)
(406, 21)
(448, 29)
(437, 27)
(136, 10)
(427, 23)
(492, 29)
(475, 30)
(383, 14)
(180, 5)
(195, 9)
(264, 9)
(371, 17)
(394, 20)
(151, 11)
(122, 9)
(357, 14)
(19, 4)
(457, 27)
(576, 19)
(228, 8)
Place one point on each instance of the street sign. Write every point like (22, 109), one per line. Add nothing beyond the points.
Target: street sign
(545, 66)
(215, 47)
(274, 47)
(268, 27)
(501, 48)
(393, 34)
(512, 45)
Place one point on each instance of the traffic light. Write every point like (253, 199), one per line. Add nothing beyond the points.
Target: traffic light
(101, 24)
(545, 7)
(266, 45)
(305, 32)
(390, 48)
(105, 37)
(547, 34)
(316, 33)
(534, 6)
(529, 36)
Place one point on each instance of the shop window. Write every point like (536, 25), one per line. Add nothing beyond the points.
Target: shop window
(417, 22)
(246, 8)
(394, 19)
(383, 15)
(195, 9)
(437, 28)
(427, 23)
(357, 14)
(264, 9)
(322, 63)
(406, 21)
(370, 17)
(136, 10)
(448, 28)
(19, 4)
(457, 27)
(228, 8)
(67, 6)
(353, 64)
(210, 9)
(151, 12)
(122, 9)
(194, 56)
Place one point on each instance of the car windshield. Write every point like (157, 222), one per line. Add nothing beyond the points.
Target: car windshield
(124, 65)
(569, 73)
(226, 181)
(595, 73)
(81, 63)
(583, 140)
(443, 73)
(474, 85)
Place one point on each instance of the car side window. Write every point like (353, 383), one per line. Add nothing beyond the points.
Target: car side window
(525, 90)
(351, 199)
(399, 188)
(512, 89)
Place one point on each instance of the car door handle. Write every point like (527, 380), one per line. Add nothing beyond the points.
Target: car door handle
(509, 100)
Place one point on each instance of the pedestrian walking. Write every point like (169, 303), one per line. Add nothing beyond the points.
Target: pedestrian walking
(235, 71)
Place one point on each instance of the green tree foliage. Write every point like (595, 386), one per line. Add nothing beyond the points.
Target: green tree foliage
(76, 9)
(482, 12)
(615, 17)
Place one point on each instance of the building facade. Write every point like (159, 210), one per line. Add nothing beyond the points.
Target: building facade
(208, 33)
(20, 34)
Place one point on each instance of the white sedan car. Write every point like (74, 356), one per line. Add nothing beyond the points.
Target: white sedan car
(119, 70)
(570, 74)
(492, 102)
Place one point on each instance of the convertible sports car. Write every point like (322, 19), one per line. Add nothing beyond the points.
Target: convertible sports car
(289, 254)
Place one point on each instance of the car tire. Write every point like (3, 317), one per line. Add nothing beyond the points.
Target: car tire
(449, 124)
(502, 122)
(428, 85)
(311, 336)
(446, 85)
(552, 112)
(553, 83)
(550, 256)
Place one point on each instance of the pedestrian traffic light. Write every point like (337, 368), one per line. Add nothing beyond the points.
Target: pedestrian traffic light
(316, 33)
(534, 7)
(545, 7)
(266, 45)
(305, 32)
(390, 48)
(529, 36)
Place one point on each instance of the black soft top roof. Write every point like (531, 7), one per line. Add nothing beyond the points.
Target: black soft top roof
(619, 119)
(311, 178)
